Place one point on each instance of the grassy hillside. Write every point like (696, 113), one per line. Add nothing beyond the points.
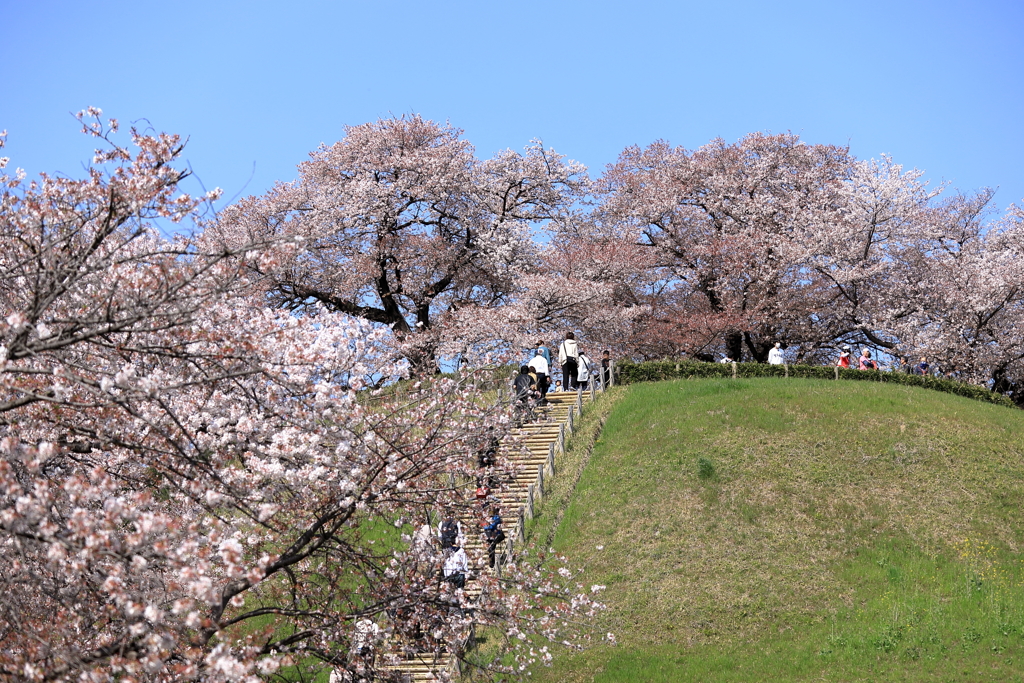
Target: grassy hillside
(767, 529)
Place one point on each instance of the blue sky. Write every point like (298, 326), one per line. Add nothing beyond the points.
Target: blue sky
(257, 85)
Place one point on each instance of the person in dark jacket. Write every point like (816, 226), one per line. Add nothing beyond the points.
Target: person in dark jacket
(524, 385)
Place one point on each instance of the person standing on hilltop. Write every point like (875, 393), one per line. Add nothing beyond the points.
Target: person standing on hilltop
(844, 357)
(775, 355)
(584, 372)
(568, 355)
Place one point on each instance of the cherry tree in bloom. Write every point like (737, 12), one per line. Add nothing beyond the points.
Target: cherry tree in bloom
(857, 256)
(399, 223)
(963, 302)
(578, 283)
(725, 222)
(192, 486)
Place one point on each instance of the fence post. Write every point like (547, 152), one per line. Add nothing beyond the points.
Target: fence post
(734, 369)
(579, 402)
(593, 391)
(569, 421)
(786, 366)
(529, 502)
(611, 373)
(539, 491)
(836, 368)
(561, 436)
(551, 459)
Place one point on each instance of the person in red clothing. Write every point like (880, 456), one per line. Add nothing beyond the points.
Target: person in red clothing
(844, 357)
(483, 493)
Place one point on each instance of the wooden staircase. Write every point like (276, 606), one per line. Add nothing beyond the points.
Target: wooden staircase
(530, 454)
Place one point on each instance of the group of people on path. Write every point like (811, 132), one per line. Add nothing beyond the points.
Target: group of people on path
(899, 364)
(534, 380)
(865, 361)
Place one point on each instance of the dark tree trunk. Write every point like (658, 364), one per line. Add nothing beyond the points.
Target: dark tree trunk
(758, 350)
(734, 345)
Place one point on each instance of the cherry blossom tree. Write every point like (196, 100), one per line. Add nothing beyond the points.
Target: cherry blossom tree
(962, 304)
(193, 486)
(725, 222)
(399, 223)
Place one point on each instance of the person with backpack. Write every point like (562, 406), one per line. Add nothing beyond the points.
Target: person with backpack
(449, 532)
(568, 358)
(456, 567)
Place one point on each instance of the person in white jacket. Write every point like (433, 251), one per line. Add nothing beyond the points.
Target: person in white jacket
(456, 567)
(568, 358)
(775, 355)
(584, 371)
(540, 366)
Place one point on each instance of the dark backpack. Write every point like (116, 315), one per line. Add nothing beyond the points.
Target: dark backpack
(449, 533)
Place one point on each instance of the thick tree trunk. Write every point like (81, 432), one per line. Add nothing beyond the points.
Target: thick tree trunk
(734, 345)
(758, 350)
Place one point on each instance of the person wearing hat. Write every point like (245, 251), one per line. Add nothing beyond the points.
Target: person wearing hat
(844, 357)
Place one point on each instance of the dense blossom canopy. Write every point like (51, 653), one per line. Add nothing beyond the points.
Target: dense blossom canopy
(193, 484)
(214, 447)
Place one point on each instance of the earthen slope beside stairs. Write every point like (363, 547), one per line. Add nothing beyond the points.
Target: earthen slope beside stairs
(528, 454)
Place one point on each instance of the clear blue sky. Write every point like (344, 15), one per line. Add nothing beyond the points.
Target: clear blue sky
(938, 85)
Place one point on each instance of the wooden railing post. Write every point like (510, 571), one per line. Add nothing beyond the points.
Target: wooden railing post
(551, 460)
(734, 369)
(569, 420)
(539, 490)
(561, 438)
(579, 402)
(836, 368)
(786, 367)
(529, 502)
(611, 373)
(593, 391)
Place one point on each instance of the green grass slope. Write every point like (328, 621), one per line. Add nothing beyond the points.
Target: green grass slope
(792, 530)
